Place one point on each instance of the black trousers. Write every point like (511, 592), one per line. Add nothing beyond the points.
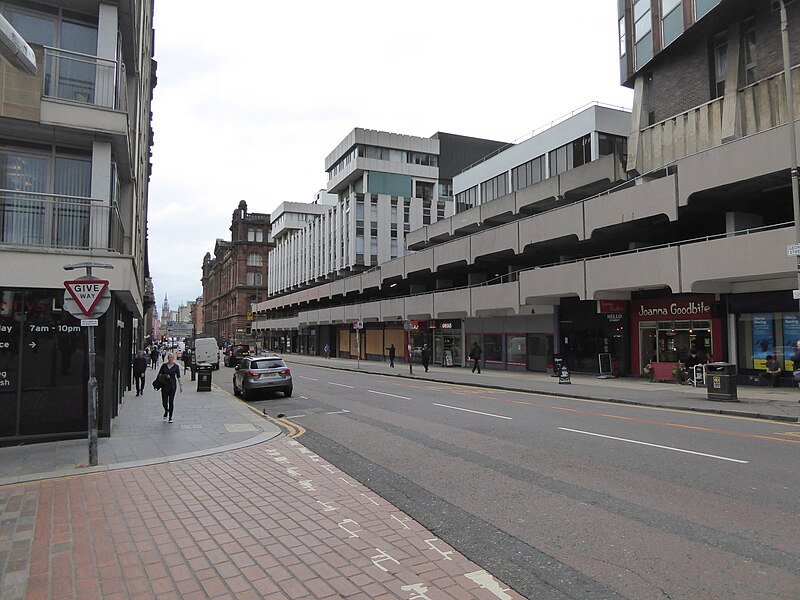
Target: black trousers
(168, 400)
(476, 364)
(139, 379)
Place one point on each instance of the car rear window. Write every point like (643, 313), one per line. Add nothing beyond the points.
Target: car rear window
(267, 363)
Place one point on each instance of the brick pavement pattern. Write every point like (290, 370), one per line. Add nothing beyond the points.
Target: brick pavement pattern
(270, 521)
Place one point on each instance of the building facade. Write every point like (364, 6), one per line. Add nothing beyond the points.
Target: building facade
(75, 144)
(674, 241)
(235, 279)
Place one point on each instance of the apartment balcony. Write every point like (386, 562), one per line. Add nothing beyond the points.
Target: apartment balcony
(629, 205)
(57, 221)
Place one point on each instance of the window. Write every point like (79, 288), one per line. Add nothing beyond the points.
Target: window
(527, 174)
(671, 21)
(251, 235)
(31, 219)
(467, 199)
(255, 260)
(424, 189)
(720, 64)
(259, 235)
(623, 39)
(494, 188)
(701, 7)
(373, 212)
(393, 248)
(750, 57)
(643, 34)
(254, 279)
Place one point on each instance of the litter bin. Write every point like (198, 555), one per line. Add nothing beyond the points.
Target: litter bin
(721, 381)
(203, 376)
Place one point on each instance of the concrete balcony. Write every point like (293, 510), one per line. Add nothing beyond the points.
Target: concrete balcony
(352, 284)
(455, 252)
(555, 224)
(371, 280)
(393, 309)
(500, 210)
(652, 198)
(467, 222)
(419, 261)
(337, 288)
(393, 269)
(591, 178)
(527, 198)
(616, 276)
(352, 312)
(371, 311)
(504, 238)
(452, 304)
(739, 263)
(495, 300)
(419, 307)
(548, 284)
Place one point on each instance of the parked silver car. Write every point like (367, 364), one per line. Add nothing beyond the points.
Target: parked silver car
(262, 373)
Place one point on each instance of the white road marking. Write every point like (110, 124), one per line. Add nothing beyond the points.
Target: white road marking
(304, 377)
(619, 439)
(477, 412)
(337, 412)
(304, 397)
(385, 394)
(340, 384)
(295, 416)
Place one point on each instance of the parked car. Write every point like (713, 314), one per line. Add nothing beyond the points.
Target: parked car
(262, 373)
(206, 351)
(235, 353)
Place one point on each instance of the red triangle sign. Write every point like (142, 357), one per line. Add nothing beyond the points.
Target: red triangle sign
(86, 293)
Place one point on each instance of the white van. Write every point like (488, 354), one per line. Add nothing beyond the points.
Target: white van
(206, 350)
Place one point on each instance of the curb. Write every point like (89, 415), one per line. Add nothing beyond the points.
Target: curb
(699, 409)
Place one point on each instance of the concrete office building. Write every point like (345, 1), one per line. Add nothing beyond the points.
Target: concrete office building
(446, 281)
(676, 242)
(75, 144)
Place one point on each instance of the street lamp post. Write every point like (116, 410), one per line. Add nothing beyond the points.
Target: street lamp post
(787, 79)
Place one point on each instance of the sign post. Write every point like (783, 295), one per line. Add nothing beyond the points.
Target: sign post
(409, 326)
(358, 325)
(88, 298)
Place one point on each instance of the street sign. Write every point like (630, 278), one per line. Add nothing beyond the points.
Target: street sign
(357, 324)
(408, 325)
(89, 322)
(87, 296)
(796, 294)
(793, 250)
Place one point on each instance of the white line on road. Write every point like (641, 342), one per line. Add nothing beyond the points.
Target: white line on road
(337, 412)
(304, 397)
(304, 377)
(392, 395)
(340, 384)
(619, 439)
(295, 416)
(477, 412)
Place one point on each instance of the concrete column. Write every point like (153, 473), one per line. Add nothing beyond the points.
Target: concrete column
(107, 73)
(636, 124)
(100, 212)
(730, 112)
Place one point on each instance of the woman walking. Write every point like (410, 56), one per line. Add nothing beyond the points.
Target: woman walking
(168, 390)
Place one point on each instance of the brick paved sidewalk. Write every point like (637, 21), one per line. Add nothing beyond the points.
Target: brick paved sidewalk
(268, 521)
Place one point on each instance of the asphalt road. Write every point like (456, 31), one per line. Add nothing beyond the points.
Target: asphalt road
(565, 498)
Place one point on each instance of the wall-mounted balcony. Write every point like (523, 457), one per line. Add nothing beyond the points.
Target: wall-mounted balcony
(57, 221)
(84, 79)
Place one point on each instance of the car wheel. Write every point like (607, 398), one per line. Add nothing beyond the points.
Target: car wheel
(287, 392)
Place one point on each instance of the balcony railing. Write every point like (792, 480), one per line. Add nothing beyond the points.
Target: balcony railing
(84, 78)
(55, 221)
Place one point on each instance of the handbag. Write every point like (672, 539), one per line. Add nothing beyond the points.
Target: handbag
(156, 384)
(164, 380)
(796, 375)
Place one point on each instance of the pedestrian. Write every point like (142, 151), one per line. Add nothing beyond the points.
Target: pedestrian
(163, 355)
(154, 358)
(327, 350)
(426, 356)
(139, 369)
(168, 388)
(773, 371)
(392, 354)
(475, 355)
(187, 359)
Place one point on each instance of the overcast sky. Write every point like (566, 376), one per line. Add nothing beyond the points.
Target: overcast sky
(252, 96)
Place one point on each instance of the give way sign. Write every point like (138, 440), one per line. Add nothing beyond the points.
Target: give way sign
(87, 297)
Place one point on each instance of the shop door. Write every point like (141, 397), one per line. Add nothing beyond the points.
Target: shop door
(540, 351)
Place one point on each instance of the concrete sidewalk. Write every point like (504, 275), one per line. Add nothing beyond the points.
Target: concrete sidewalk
(779, 404)
(205, 422)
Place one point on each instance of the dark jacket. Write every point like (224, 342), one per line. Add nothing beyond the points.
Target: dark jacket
(139, 365)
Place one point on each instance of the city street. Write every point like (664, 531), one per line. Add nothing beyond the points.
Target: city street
(594, 499)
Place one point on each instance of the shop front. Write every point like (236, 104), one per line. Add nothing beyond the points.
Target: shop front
(514, 343)
(666, 330)
(44, 367)
(767, 324)
(592, 329)
(443, 337)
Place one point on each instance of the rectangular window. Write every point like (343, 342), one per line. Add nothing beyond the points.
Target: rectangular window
(494, 188)
(671, 21)
(720, 64)
(393, 248)
(259, 235)
(702, 7)
(750, 56)
(623, 39)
